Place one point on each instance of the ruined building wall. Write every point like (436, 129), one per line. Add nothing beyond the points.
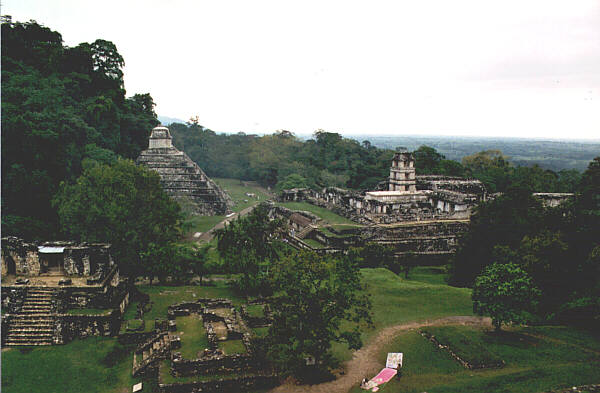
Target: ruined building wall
(86, 259)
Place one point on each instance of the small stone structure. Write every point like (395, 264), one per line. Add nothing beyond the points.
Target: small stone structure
(42, 281)
(182, 178)
(553, 199)
(240, 371)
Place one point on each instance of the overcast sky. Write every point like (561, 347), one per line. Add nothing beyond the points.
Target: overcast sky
(476, 68)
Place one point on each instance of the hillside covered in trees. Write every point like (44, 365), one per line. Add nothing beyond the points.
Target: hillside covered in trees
(62, 109)
(284, 161)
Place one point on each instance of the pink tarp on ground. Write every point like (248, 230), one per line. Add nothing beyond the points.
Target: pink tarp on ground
(384, 376)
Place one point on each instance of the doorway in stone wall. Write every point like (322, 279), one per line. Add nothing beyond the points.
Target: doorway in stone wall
(51, 260)
(11, 266)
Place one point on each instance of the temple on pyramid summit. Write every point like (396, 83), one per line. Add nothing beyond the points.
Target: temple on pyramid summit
(182, 178)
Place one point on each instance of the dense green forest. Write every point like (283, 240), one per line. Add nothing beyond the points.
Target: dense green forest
(284, 161)
(558, 247)
(62, 109)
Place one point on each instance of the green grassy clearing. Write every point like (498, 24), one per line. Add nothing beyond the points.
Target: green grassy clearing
(429, 274)
(261, 331)
(465, 343)
(396, 300)
(532, 365)
(94, 365)
(193, 335)
(326, 215)
(341, 227)
(134, 325)
(572, 336)
(237, 191)
(314, 243)
(88, 311)
(202, 223)
(327, 232)
(231, 347)
(256, 310)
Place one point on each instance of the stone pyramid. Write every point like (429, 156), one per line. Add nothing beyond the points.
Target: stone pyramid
(182, 178)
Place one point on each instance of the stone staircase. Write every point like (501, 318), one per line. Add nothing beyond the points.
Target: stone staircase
(158, 347)
(34, 323)
(305, 231)
(182, 178)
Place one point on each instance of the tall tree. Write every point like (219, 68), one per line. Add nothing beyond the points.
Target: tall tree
(246, 245)
(59, 105)
(125, 205)
(317, 301)
(506, 293)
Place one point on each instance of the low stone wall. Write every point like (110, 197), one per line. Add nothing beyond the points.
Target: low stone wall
(465, 363)
(255, 322)
(134, 338)
(13, 298)
(68, 327)
(107, 295)
(197, 306)
(578, 389)
(214, 364)
(234, 384)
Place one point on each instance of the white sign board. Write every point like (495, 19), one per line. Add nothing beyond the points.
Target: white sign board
(394, 360)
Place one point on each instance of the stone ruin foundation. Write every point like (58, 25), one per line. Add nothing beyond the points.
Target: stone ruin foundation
(211, 370)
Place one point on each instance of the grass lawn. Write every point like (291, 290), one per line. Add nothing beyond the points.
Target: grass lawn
(532, 365)
(193, 335)
(327, 232)
(94, 365)
(396, 300)
(231, 347)
(326, 215)
(256, 310)
(466, 344)
(202, 223)
(237, 191)
(261, 331)
(428, 274)
(314, 244)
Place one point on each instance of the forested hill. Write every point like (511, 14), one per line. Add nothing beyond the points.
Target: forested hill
(284, 161)
(62, 107)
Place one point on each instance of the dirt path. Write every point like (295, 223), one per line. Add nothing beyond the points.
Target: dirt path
(208, 235)
(364, 361)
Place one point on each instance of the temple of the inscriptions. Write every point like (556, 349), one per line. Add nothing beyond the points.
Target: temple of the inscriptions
(182, 178)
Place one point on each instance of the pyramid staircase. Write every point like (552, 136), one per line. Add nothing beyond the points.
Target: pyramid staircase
(158, 347)
(34, 323)
(182, 178)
